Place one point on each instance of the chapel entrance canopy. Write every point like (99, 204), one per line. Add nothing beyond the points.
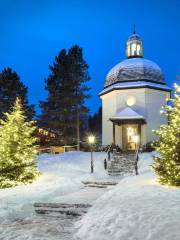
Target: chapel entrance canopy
(127, 115)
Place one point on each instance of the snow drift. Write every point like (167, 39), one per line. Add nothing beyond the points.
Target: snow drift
(60, 182)
(137, 209)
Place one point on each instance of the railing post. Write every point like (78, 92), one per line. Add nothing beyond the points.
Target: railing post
(109, 155)
(92, 166)
(114, 137)
(136, 162)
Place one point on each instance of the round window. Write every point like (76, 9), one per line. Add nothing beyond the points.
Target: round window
(130, 101)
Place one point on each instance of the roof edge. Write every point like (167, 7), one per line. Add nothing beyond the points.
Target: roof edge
(140, 80)
(143, 85)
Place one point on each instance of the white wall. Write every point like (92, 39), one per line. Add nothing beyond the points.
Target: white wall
(139, 94)
(148, 104)
(112, 103)
(108, 110)
(118, 134)
(154, 100)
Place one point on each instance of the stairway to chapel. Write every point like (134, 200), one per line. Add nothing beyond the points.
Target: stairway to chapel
(122, 164)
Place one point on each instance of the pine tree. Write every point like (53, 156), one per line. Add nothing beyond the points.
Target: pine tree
(56, 111)
(167, 165)
(10, 88)
(79, 75)
(17, 149)
(66, 94)
(95, 123)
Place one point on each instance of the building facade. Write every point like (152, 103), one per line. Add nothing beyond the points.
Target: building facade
(133, 95)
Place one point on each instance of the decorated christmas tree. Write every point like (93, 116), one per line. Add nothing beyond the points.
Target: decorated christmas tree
(17, 149)
(167, 164)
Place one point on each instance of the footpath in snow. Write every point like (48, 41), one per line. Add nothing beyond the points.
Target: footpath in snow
(138, 208)
(61, 182)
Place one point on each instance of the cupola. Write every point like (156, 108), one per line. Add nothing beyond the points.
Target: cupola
(134, 46)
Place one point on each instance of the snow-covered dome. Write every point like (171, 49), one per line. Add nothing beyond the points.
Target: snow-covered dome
(135, 69)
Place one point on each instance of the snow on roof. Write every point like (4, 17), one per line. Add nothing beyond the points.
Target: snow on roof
(134, 36)
(136, 68)
(136, 84)
(127, 113)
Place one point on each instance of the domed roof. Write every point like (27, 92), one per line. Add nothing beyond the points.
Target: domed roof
(134, 36)
(135, 69)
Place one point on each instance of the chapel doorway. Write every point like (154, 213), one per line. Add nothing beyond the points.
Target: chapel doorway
(129, 137)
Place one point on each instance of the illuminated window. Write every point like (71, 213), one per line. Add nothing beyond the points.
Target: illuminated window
(133, 49)
(130, 101)
(138, 49)
(129, 50)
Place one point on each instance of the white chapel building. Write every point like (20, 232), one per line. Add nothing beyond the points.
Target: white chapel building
(134, 92)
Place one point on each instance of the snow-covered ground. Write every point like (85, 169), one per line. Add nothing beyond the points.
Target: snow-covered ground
(60, 182)
(138, 208)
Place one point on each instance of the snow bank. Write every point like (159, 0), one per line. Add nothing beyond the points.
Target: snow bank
(137, 209)
(61, 175)
(60, 182)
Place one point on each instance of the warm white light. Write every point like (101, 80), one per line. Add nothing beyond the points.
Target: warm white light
(91, 139)
(131, 101)
(177, 88)
(130, 131)
(138, 49)
(129, 50)
(133, 48)
(135, 138)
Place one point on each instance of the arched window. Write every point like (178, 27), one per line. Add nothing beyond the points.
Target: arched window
(133, 49)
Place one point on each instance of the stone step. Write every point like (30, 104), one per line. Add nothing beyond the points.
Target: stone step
(74, 210)
(121, 169)
(121, 164)
(119, 174)
(96, 186)
(124, 163)
(105, 183)
(62, 205)
(120, 159)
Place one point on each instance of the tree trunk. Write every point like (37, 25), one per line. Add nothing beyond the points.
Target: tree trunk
(78, 131)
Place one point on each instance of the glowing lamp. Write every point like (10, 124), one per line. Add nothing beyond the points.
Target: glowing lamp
(130, 101)
(91, 139)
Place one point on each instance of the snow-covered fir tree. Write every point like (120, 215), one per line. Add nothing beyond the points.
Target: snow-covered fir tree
(17, 149)
(167, 165)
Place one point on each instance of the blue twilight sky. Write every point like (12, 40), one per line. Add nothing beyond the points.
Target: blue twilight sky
(33, 32)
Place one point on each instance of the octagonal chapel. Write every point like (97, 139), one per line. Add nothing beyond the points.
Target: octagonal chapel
(134, 92)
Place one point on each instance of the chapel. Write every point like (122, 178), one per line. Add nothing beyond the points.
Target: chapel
(133, 95)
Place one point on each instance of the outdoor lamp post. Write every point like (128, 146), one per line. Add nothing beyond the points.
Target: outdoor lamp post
(91, 140)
